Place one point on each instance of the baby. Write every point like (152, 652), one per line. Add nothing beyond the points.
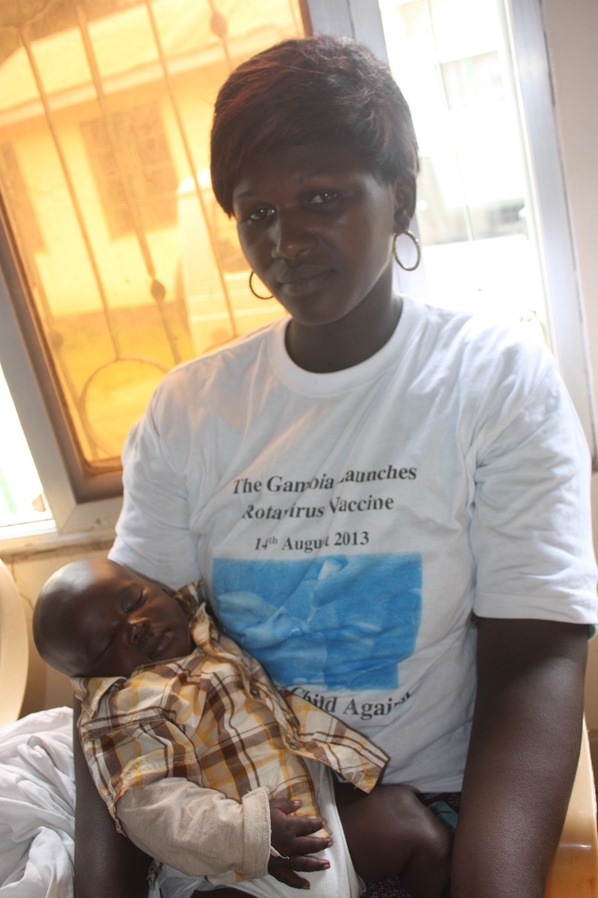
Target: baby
(208, 767)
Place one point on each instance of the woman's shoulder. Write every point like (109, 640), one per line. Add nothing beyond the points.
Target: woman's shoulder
(237, 354)
(228, 370)
(478, 342)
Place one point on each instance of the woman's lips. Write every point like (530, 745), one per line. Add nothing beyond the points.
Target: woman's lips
(302, 282)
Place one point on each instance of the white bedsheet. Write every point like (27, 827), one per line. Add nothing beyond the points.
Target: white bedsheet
(37, 806)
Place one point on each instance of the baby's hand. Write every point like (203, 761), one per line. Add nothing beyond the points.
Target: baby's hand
(292, 838)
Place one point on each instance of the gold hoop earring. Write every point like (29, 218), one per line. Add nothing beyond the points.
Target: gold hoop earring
(418, 251)
(257, 295)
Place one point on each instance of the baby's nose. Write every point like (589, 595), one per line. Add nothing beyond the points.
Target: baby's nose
(137, 630)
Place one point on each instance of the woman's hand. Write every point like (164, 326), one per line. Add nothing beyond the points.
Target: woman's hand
(292, 838)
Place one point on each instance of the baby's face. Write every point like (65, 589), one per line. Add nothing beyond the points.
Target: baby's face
(123, 621)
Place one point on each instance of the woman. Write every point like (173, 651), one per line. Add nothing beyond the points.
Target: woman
(388, 502)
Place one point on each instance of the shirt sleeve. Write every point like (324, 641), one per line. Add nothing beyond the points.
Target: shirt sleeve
(531, 531)
(152, 533)
(200, 831)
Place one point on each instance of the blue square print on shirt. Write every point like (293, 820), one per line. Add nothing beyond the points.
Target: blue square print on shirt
(342, 622)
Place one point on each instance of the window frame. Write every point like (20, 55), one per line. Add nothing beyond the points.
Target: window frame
(84, 520)
(74, 519)
(534, 78)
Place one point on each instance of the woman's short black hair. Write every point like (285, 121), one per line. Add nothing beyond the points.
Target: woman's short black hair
(315, 89)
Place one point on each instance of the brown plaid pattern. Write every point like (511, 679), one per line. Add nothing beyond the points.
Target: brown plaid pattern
(216, 718)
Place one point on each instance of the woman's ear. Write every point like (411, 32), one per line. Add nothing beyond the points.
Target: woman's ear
(404, 202)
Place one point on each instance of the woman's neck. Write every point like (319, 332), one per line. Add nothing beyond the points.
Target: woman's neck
(345, 343)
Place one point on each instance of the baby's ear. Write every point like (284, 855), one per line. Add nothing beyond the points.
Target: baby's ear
(405, 197)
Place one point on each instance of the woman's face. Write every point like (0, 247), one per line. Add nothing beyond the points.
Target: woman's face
(317, 226)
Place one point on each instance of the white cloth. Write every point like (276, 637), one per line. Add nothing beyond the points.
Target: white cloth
(37, 821)
(37, 806)
(339, 880)
(348, 524)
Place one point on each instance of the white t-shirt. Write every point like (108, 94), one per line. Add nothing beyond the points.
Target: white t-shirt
(348, 524)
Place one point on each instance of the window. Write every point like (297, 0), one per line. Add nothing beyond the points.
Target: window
(475, 210)
(473, 79)
(24, 223)
(133, 169)
(105, 110)
(492, 210)
(21, 496)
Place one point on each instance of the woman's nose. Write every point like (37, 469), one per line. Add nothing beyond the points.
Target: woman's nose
(290, 237)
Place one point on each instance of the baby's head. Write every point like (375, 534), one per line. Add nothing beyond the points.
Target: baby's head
(97, 618)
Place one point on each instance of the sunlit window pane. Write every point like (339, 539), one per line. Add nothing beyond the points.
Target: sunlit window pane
(475, 210)
(131, 268)
(21, 497)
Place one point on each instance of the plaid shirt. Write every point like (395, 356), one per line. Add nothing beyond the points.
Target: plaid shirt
(215, 718)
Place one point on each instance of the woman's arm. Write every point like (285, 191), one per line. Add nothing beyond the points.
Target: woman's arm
(522, 757)
(106, 863)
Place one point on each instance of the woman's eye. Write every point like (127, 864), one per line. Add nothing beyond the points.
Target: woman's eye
(263, 213)
(322, 198)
